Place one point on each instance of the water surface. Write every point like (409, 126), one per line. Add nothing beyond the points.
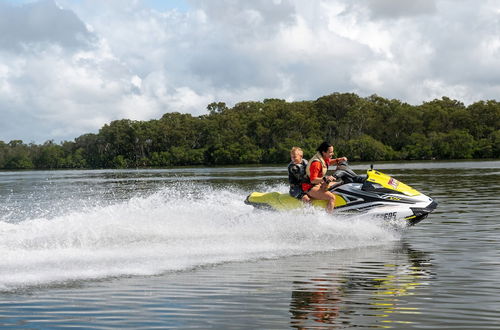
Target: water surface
(179, 248)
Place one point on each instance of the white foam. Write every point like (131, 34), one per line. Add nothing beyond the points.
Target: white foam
(166, 231)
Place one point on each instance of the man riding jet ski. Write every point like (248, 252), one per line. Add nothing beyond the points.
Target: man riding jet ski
(375, 194)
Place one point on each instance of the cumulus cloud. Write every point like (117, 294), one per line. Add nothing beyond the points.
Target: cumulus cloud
(40, 23)
(68, 67)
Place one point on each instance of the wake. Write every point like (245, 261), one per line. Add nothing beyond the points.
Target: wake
(167, 231)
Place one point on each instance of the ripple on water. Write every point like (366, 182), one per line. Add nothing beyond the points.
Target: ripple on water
(443, 273)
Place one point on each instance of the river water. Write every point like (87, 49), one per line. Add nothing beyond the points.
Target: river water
(179, 248)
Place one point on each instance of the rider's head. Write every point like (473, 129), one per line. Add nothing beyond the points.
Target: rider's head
(326, 150)
(296, 155)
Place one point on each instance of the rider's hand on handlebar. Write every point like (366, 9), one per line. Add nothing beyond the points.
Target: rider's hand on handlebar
(328, 179)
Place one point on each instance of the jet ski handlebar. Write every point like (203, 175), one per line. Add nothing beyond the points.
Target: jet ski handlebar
(347, 175)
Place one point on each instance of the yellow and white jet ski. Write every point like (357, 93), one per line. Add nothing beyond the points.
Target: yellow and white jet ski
(375, 194)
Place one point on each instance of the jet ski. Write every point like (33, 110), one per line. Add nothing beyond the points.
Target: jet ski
(375, 195)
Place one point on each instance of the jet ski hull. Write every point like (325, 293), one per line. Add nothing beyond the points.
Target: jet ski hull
(410, 214)
(378, 196)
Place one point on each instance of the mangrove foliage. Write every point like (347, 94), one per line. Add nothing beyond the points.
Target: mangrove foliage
(363, 129)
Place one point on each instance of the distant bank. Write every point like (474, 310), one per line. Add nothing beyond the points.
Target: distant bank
(362, 129)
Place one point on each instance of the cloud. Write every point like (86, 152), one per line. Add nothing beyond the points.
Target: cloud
(23, 27)
(383, 9)
(60, 85)
(248, 18)
(68, 67)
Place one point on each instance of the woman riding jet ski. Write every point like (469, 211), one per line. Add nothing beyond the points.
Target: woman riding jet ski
(375, 195)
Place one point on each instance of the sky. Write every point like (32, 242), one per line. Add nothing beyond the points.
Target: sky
(67, 67)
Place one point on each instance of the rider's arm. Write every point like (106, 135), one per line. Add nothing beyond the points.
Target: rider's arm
(338, 160)
(333, 161)
(315, 171)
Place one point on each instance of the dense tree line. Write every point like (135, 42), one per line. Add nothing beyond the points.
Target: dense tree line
(372, 128)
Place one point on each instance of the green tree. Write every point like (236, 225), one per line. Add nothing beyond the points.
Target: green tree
(443, 115)
(331, 109)
(366, 148)
(495, 141)
(457, 144)
(216, 107)
(419, 147)
(49, 156)
(120, 162)
(18, 156)
(371, 128)
(485, 118)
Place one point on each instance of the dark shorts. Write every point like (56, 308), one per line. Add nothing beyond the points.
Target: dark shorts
(296, 191)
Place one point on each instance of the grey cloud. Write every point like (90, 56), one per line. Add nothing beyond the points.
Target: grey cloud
(19, 124)
(226, 66)
(313, 80)
(248, 17)
(224, 50)
(460, 41)
(383, 9)
(233, 51)
(40, 23)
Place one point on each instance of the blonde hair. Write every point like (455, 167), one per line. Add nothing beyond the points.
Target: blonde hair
(296, 149)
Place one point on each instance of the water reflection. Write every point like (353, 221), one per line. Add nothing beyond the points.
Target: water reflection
(319, 304)
(370, 293)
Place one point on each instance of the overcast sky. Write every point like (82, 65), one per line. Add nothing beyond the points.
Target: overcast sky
(67, 67)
